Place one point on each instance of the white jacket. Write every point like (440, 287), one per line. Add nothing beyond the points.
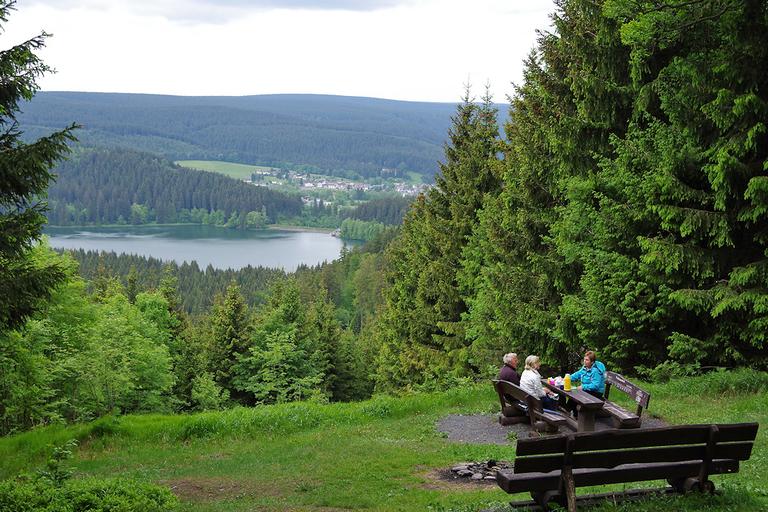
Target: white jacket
(530, 382)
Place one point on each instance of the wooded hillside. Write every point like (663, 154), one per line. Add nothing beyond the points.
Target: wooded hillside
(110, 186)
(323, 132)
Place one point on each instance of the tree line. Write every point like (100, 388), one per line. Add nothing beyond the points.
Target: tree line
(114, 186)
(196, 286)
(387, 210)
(118, 186)
(323, 133)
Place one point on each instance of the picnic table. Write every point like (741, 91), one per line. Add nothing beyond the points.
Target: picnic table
(587, 405)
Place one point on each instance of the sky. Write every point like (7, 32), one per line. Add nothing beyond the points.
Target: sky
(415, 50)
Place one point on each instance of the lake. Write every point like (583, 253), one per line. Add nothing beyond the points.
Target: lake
(220, 247)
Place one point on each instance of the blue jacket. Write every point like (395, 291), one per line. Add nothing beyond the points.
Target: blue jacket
(592, 379)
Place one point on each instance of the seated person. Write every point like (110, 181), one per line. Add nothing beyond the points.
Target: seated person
(508, 372)
(530, 382)
(591, 375)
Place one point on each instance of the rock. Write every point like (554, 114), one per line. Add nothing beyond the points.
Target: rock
(460, 467)
(477, 476)
(490, 477)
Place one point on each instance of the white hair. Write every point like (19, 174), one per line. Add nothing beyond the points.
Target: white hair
(509, 357)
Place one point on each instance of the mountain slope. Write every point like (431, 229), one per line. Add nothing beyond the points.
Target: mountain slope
(327, 132)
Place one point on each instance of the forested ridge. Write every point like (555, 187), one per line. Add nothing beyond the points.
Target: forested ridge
(327, 133)
(624, 211)
(108, 186)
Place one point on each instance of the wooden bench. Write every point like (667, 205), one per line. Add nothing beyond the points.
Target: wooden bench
(623, 418)
(550, 468)
(517, 406)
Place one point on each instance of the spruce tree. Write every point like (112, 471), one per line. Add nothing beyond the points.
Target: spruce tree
(24, 177)
(515, 275)
(682, 220)
(230, 337)
(425, 340)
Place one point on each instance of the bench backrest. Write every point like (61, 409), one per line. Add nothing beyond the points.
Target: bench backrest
(615, 380)
(610, 448)
(507, 389)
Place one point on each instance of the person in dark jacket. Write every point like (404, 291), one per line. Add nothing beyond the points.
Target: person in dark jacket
(508, 372)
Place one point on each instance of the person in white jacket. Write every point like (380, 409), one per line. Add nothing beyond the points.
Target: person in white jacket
(530, 382)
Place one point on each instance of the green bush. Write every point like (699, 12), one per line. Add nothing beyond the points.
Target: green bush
(91, 495)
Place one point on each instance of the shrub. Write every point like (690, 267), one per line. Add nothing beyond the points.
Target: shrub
(91, 495)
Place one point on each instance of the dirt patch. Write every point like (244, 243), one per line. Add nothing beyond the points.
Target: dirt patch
(212, 489)
(444, 479)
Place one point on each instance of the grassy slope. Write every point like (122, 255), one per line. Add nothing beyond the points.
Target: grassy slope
(233, 170)
(376, 455)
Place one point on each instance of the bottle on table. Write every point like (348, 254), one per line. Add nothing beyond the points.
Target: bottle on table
(567, 382)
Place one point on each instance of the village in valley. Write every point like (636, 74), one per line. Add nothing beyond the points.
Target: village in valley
(310, 184)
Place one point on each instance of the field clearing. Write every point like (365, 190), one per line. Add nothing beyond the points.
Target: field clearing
(233, 170)
(380, 455)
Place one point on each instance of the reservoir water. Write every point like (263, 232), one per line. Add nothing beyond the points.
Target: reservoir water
(220, 247)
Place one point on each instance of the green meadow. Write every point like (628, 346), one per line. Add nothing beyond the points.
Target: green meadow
(382, 454)
(233, 170)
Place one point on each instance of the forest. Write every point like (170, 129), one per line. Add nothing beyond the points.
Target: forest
(98, 186)
(117, 186)
(332, 134)
(624, 211)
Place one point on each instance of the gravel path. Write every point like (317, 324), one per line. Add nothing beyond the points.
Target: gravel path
(478, 429)
(485, 428)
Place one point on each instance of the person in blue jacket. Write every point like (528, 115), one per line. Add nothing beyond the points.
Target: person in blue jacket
(591, 375)
(592, 378)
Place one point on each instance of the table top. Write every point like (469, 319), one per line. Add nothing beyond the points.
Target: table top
(584, 399)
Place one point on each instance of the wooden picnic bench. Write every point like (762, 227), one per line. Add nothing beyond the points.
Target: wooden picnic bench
(550, 468)
(623, 418)
(588, 406)
(517, 406)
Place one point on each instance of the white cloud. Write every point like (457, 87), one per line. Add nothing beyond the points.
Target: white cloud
(418, 50)
(215, 10)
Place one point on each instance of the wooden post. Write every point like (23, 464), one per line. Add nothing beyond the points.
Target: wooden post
(706, 464)
(531, 402)
(567, 474)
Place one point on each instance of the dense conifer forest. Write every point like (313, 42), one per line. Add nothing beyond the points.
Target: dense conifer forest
(196, 286)
(118, 186)
(628, 214)
(328, 133)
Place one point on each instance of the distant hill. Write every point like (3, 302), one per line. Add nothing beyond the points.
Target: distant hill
(106, 186)
(335, 133)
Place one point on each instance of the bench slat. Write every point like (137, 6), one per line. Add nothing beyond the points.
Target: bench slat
(513, 482)
(619, 412)
(613, 458)
(550, 417)
(614, 439)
